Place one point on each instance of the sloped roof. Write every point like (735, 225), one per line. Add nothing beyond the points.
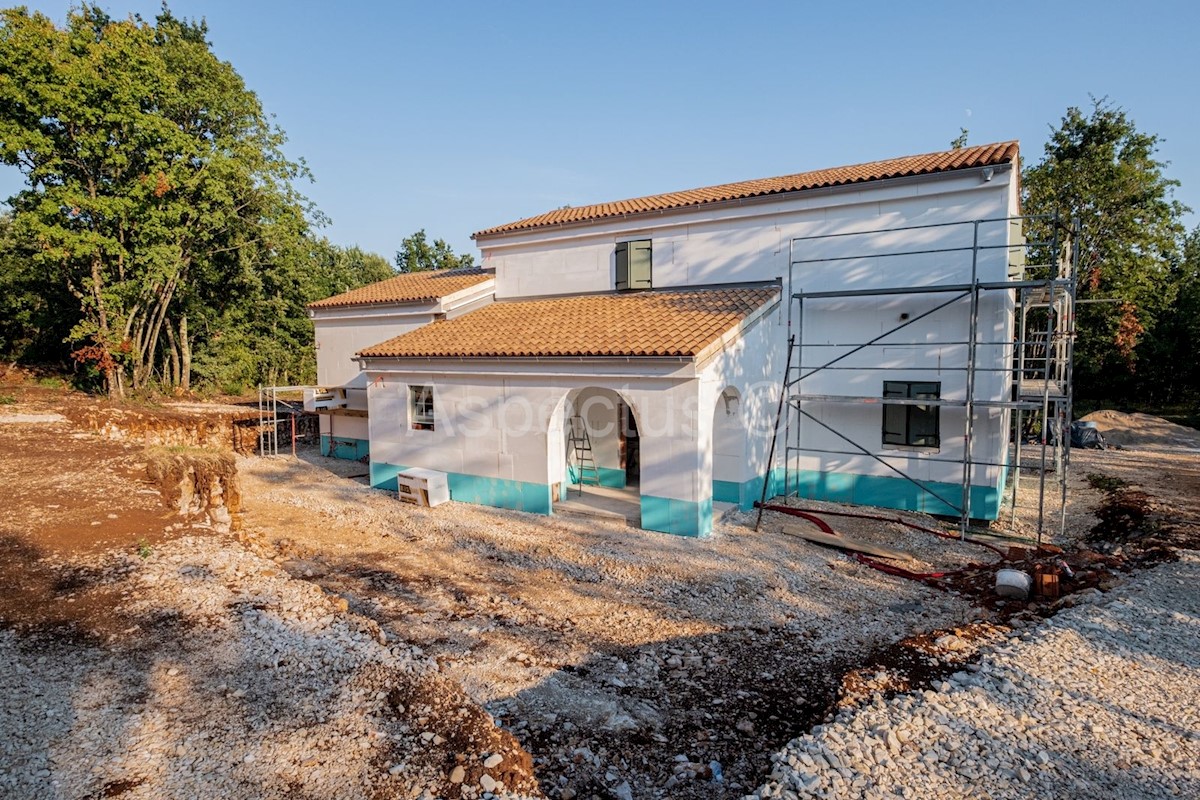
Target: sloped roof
(411, 287)
(945, 161)
(659, 323)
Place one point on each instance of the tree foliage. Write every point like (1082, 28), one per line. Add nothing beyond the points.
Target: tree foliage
(148, 163)
(1169, 358)
(31, 327)
(1100, 169)
(416, 254)
(159, 204)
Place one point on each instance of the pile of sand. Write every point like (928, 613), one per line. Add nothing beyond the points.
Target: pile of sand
(1143, 431)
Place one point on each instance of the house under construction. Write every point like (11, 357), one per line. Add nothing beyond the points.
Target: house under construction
(891, 333)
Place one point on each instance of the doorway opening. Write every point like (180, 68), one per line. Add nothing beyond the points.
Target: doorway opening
(600, 456)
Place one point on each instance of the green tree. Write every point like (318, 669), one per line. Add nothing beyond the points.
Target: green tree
(258, 330)
(959, 141)
(416, 254)
(32, 324)
(153, 175)
(1169, 358)
(340, 269)
(1100, 169)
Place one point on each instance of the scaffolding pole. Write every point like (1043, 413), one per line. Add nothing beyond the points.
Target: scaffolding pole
(269, 419)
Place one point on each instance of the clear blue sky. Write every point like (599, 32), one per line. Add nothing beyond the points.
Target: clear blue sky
(458, 116)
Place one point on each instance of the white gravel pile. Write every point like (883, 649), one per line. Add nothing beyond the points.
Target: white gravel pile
(231, 680)
(1102, 700)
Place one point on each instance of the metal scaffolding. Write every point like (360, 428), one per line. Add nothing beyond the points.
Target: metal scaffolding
(270, 418)
(1041, 284)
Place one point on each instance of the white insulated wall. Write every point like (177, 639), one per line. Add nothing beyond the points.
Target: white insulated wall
(750, 242)
(756, 242)
(342, 332)
(752, 366)
(505, 420)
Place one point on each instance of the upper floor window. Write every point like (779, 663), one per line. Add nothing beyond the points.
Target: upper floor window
(420, 407)
(911, 424)
(634, 262)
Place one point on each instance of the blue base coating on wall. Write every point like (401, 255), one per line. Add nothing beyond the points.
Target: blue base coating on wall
(887, 492)
(680, 517)
(496, 492)
(614, 478)
(748, 493)
(349, 449)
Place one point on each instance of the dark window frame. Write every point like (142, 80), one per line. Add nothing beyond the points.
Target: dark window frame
(912, 425)
(422, 410)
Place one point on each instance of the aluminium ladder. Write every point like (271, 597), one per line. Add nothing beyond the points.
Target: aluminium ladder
(581, 443)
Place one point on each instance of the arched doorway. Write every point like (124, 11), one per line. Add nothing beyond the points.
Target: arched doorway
(595, 453)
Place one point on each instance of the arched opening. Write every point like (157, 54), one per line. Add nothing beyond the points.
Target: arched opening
(595, 453)
(729, 464)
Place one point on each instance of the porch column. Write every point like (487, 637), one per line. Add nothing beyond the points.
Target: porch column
(676, 462)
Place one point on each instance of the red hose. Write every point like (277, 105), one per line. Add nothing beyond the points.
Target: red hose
(928, 578)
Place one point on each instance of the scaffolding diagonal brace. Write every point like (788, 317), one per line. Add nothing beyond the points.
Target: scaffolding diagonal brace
(1038, 272)
(885, 334)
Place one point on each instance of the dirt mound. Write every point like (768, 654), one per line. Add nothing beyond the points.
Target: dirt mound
(1139, 431)
(198, 483)
(167, 428)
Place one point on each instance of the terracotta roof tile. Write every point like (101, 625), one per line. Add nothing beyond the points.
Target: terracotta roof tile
(964, 158)
(411, 287)
(659, 323)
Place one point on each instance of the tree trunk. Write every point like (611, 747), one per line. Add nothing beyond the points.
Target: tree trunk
(112, 371)
(185, 356)
(113, 383)
(174, 377)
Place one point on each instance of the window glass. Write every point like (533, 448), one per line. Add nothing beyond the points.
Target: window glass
(912, 424)
(420, 407)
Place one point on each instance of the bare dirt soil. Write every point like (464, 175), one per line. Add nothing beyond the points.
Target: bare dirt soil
(626, 664)
(1144, 431)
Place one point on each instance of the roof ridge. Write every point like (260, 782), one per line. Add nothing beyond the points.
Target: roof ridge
(965, 158)
(859, 165)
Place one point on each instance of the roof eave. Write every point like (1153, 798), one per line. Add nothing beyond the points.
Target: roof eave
(767, 197)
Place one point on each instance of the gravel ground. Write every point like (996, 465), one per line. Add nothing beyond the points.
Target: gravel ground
(1100, 701)
(627, 662)
(349, 646)
(227, 678)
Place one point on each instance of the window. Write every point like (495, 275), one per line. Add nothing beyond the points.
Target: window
(911, 424)
(420, 407)
(634, 261)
